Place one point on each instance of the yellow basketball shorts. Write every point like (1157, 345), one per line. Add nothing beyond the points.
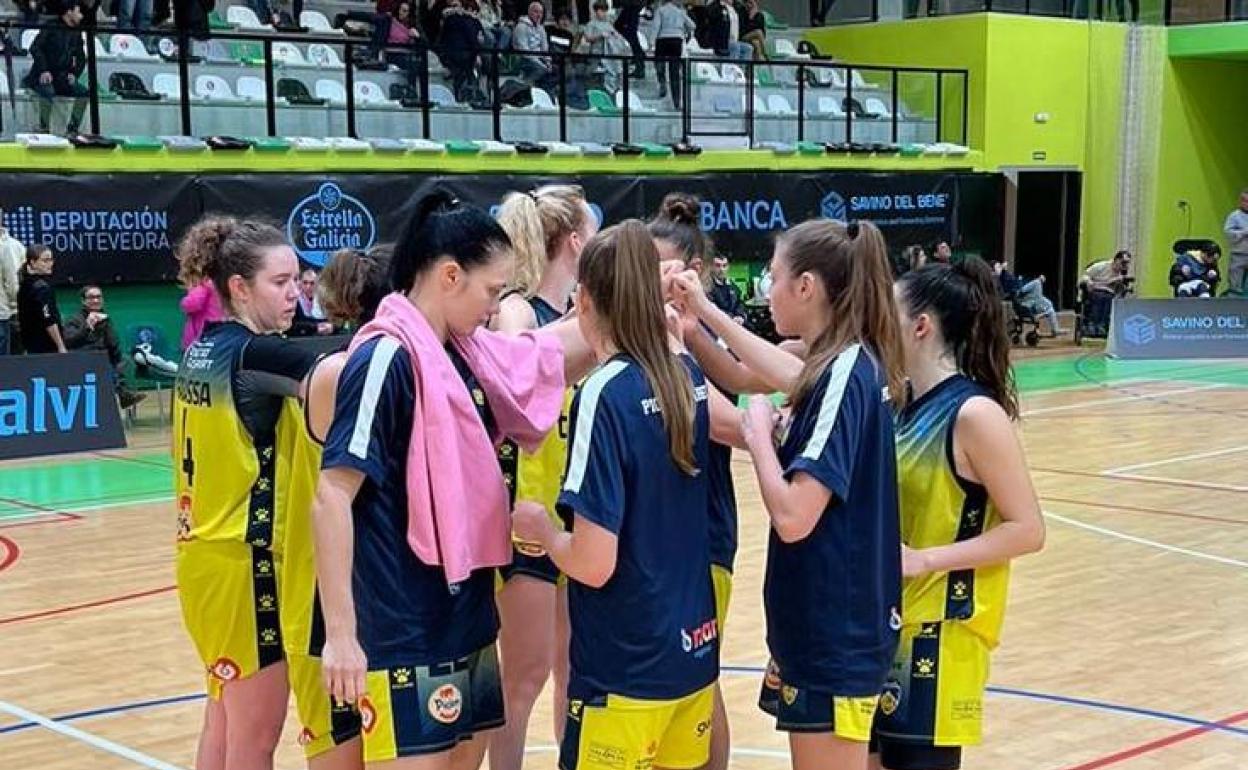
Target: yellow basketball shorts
(325, 725)
(802, 710)
(721, 579)
(415, 710)
(934, 694)
(228, 592)
(612, 732)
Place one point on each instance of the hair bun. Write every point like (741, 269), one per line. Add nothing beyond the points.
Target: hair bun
(682, 208)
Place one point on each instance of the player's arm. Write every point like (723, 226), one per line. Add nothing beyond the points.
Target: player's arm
(587, 554)
(578, 357)
(515, 315)
(795, 505)
(725, 419)
(342, 661)
(985, 439)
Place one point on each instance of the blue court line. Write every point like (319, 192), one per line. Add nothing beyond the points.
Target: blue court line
(1069, 701)
(753, 670)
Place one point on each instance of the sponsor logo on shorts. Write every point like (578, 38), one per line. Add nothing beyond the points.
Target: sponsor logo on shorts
(575, 707)
(306, 737)
(605, 756)
(890, 699)
(368, 715)
(771, 679)
(703, 728)
(184, 518)
(400, 678)
(224, 670)
(529, 549)
(924, 668)
(789, 693)
(894, 619)
(699, 639)
(446, 704)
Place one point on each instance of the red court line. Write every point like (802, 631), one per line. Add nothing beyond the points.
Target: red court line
(1138, 509)
(1133, 480)
(11, 552)
(1160, 743)
(86, 605)
(59, 518)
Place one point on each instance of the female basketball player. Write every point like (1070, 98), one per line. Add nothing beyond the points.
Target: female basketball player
(418, 657)
(548, 228)
(644, 650)
(967, 508)
(677, 236)
(233, 425)
(832, 589)
(351, 287)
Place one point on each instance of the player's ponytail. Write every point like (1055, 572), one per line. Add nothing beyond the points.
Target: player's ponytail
(440, 227)
(965, 301)
(618, 269)
(219, 248)
(537, 223)
(353, 285)
(677, 222)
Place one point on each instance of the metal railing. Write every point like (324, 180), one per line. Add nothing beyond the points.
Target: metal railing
(569, 72)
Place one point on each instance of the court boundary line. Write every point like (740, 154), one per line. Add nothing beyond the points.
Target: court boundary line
(90, 739)
(1146, 542)
(86, 605)
(12, 552)
(1148, 747)
(1142, 510)
(1124, 469)
(1170, 481)
(1123, 399)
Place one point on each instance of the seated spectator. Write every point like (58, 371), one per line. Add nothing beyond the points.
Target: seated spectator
(754, 29)
(91, 329)
(911, 258)
(59, 58)
(37, 311)
(495, 35)
(458, 48)
(530, 38)
(1195, 273)
(563, 37)
(723, 292)
(942, 252)
(310, 319)
(724, 31)
(1109, 276)
(1029, 295)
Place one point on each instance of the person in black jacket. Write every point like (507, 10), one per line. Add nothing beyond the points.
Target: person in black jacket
(628, 24)
(59, 58)
(723, 292)
(37, 311)
(91, 329)
(458, 47)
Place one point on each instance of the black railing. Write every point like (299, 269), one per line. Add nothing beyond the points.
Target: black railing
(806, 79)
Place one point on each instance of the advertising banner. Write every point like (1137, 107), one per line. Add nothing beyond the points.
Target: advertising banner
(57, 403)
(1179, 328)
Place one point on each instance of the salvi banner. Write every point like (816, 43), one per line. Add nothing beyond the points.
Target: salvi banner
(1179, 328)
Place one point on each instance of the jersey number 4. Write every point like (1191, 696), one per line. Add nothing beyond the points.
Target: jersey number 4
(188, 461)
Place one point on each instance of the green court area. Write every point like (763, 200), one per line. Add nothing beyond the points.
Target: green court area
(78, 484)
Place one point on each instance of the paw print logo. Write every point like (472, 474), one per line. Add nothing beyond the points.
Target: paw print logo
(402, 676)
(264, 566)
(959, 589)
(478, 396)
(258, 541)
(925, 668)
(509, 479)
(506, 450)
(262, 515)
(268, 636)
(263, 485)
(267, 602)
(972, 518)
(267, 453)
(574, 709)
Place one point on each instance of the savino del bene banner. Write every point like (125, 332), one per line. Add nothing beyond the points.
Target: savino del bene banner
(123, 227)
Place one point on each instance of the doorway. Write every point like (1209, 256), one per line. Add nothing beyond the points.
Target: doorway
(1046, 231)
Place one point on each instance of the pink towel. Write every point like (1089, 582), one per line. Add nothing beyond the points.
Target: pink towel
(459, 515)
(201, 306)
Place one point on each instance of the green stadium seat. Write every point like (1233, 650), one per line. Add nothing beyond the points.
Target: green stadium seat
(216, 22)
(772, 22)
(251, 54)
(139, 143)
(810, 148)
(602, 102)
(656, 150)
(269, 144)
(462, 147)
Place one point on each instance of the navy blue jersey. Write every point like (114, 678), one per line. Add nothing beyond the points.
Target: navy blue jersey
(833, 598)
(650, 631)
(405, 612)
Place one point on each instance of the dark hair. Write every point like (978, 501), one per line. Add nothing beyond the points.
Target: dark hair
(851, 261)
(88, 288)
(677, 223)
(353, 284)
(1120, 254)
(966, 303)
(619, 271)
(600, 5)
(218, 248)
(440, 227)
(34, 251)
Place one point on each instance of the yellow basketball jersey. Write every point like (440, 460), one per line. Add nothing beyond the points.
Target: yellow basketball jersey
(939, 508)
(297, 473)
(224, 480)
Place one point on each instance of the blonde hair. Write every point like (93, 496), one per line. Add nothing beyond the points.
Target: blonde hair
(536, 222)
(618, 272)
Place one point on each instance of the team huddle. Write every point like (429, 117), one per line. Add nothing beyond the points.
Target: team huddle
(519, 468)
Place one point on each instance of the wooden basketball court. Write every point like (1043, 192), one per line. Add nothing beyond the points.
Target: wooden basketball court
(1124, 645)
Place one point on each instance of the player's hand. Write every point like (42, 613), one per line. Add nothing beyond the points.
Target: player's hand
(343, 668)
(530, 523)
(759, 420)
(686, 288)
(913, 562)
(669, 269)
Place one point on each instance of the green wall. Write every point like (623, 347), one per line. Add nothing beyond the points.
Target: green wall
(1202, 157)
(130, 305)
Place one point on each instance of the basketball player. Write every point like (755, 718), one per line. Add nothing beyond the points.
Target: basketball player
(644, 655)
(967, 508)
(832, 590)
(233, 423)
(548, 228)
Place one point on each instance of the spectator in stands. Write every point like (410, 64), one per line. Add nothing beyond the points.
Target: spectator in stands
(821, 18)
(59, 58)
(495, 35)
(564, 36)
(600, 38)
(912, 258)
(29, 10)
(91, 329)
(723, 30)
(628, 24)
(1236, 229)
(8, 299)
(11, 248)
(1195, 273)
(37, 311)
(674, 28)
(1109, 276)
(723, 292)
(530, 37)
(458, 48)
(12, 258)
(137, 14)
(942, 253)
(1028, 294)
(754, 29)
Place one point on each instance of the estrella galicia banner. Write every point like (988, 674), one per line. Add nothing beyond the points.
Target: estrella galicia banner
(1179, 328)
(123, 227)
(57, 403)
(102, 228)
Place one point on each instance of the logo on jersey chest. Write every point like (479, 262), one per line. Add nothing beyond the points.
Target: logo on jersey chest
(700, 639)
